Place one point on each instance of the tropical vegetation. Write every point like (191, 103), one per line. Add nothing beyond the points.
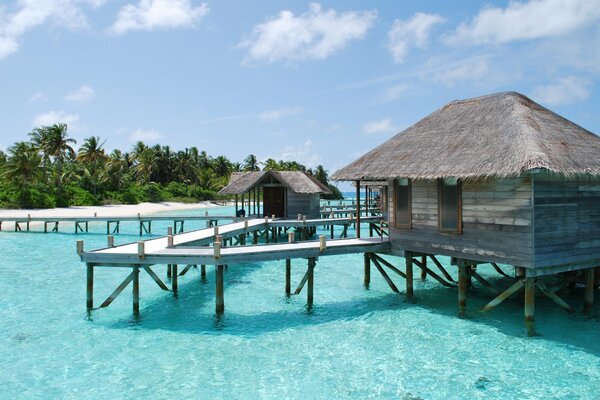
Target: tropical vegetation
(49, 171)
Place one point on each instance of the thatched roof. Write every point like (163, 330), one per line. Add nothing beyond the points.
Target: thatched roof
(498, 135)
(296, 181)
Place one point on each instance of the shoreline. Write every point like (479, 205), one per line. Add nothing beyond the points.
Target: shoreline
(118, 210)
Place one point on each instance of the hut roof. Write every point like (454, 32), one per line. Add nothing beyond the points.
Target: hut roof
(296, 181)
(498, 135)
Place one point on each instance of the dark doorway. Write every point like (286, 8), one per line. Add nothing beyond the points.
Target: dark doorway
(274, 201)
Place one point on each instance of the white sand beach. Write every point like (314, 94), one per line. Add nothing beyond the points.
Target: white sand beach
(119, 210)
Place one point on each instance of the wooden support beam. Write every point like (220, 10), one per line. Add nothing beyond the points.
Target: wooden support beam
(219, 295)
(385, 275)
(485, 283)
(302, 283)
(463, 276)
(499, 270)
(155, 277)
(175, 280)
(288, 276)
(389, 265)
(203, 272)
(169, 271)
(441, 268)
(117, 291)
(515, 287)
(136, 291)
(358, 209)
(554, 297)
(435, 276)
(90, 287)
(367, 270)
(588, 297)
(529, 307)
(424, 270)
(310, 287)
(409, 275)
(186, 269)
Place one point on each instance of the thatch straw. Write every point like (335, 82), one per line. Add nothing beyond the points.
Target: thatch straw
(296, 181)
(499, 135)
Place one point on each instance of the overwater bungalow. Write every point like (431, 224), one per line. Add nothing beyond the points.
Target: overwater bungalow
(284, 194)
(493, 179)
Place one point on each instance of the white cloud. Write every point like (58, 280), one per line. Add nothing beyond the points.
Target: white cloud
(395, 92)
(304, 154)
(274, 115)
(414, 32)
(527, 20)
(29, 14)
(563, 91)
(81, 95)
(145, 135)
(55, 117)
(38, 97)
(378, 126)
(158, 14)
(315, 34)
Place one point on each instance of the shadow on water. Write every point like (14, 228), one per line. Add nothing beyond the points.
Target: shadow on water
(193, 312)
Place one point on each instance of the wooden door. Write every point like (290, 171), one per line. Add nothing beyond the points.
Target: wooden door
(274, 201)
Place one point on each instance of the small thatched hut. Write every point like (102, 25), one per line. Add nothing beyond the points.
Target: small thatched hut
(284, 193)
(492, 179)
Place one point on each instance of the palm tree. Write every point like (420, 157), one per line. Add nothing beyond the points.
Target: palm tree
(222, 166)
(92, 156)
(117, 168)
(321, 175)
(271, 165)
(22, 166)
(251, 163)
(53, 142)
(147, 163)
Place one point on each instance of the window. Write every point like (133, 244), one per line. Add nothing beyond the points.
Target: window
(449, 205)
(402, 200)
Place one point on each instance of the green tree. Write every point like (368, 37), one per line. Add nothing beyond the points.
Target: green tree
(147, 162)
(92, 155)
(251, 163)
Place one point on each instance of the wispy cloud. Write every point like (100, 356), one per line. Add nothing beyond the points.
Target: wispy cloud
(379, 126)
(158, 14)
(16, 21)
(82, 95)
(533, 19)
(55, 117)
(274, 115)
(395, 92)
(471, 69)
(563, 91)
(145, 135)
(413, 32)
(38, 97)
(315, 34)
(303, 153)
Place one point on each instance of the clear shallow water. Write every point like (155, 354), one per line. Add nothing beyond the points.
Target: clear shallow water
(355, 343)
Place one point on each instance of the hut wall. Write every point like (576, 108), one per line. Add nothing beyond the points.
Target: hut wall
(496, 215)
(567, 221)
(302, 203)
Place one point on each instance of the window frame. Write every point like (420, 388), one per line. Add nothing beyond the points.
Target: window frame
(409, 211)
(440, 188)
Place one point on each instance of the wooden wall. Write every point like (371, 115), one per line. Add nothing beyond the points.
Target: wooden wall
(567, 221)
(306, 204)
(496, 215)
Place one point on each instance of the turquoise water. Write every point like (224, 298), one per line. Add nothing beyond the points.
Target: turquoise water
(354, 343)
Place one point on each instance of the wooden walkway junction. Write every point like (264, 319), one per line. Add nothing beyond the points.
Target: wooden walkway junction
(227, 245)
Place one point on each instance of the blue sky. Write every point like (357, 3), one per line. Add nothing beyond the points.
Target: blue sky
(320, 83)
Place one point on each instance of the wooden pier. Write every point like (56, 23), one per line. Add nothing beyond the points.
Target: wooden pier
(209, 247)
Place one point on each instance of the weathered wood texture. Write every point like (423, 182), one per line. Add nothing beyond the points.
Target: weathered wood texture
(566, 221)
(305, 204)
(496, 216)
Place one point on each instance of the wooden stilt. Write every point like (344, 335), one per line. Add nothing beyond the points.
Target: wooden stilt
(462, 289)
(498, 270)
(155, 278)
(441, 268)
(588, 298)
(136, 291)
(220, 300)
(431, 273)
(203, 272)
(409, 275)
(423, 270)
(169, 271)
(554, 297)
(377, 257)
(529, 304)
(485, 283)
(367, 277)
(504, 295)
(358, 209)
(288, 276)
(90, 287)
(309, 290)
(385, 275)
(174, 282)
